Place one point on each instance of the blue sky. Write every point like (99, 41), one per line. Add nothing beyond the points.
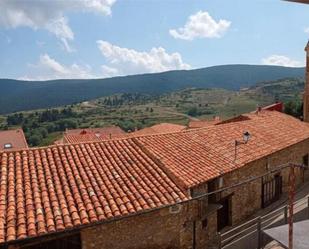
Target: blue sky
(42, 39)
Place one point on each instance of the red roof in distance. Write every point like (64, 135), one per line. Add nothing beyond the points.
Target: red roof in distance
(91, 135)
(275, 107)
(12, 140)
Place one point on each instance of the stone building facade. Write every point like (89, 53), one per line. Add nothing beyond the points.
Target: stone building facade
(248, 197)
(195, 225)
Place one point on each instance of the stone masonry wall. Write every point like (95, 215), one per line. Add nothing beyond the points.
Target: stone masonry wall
(161, 229)
(157, 229)
(246, 199)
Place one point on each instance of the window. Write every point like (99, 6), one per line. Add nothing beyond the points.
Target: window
(271, 189)
(8, 146)
(306, 160)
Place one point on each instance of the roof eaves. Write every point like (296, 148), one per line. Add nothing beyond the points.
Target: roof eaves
(24, 138)
(92, 224)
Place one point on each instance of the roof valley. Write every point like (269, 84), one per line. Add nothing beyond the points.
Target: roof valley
(158, 161)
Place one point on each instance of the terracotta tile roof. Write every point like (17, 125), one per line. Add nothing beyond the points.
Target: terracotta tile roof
(159, 128)
(198, 155)
(91, 134)
(102, 130)
(12, 140)
(275, 107)
(112, 133)
(50, 189)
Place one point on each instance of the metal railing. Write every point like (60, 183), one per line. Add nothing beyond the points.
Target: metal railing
(253, 228)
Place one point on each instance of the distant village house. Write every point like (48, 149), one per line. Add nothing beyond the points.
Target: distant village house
(12, 140)
(90, 134)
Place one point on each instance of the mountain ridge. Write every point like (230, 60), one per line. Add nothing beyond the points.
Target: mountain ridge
(17, 95)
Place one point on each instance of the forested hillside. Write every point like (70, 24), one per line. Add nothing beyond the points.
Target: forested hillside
(28, 95)
(138, 110)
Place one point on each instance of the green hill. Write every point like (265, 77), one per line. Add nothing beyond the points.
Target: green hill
(138, 110)
(18, 95)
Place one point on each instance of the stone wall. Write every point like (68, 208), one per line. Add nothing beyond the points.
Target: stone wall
(158, 229)
(246, 199)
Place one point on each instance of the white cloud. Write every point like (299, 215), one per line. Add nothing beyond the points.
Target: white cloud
(281, 60)
(48, 68)
(306, 30)
(124, 61)
(49, 15)
(121, 61)
(201, 25)
(109, 71)
(59, 27)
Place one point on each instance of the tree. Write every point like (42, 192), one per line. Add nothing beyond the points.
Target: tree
(43, 131)
(129, 125)
(50, 127)
(34, 124)
(66, 124)
(15, 119)
(193, 111)
(35, 139)
(294, 108)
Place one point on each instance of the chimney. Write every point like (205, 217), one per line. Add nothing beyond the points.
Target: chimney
(306, 92)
